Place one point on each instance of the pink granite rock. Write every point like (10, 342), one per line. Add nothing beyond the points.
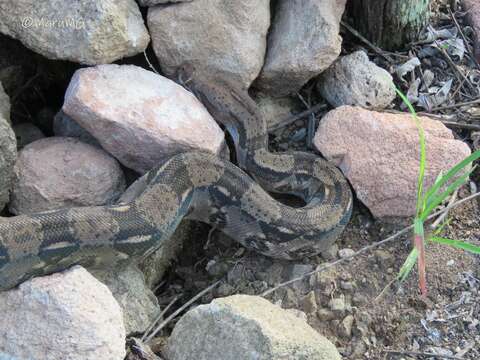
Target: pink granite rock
(379, 153)
(139, 117)
(473, 15)
(56, 172)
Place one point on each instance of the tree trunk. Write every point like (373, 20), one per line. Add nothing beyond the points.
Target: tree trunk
(389, 23)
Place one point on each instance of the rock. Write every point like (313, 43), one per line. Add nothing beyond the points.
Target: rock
(294, 271)
(297, 313)
(152, 117)
(8, 149)
(26, 133)
(473, 14)
(304, 40)
(345, 327)
(346, 253)
(156, 265)
(384, 173)
(67, 315)
(157, 2)
(57, 172)
(274, 110)
(245, 327)
(384, 258)
(220, 38)
(139, 304)
(309, 303)
(325, 314)
(87, 32)
(44, 119)
(65, 126)
(4, 104)
(338, 305)
(355, 80)
(330, 253)
(8, 155)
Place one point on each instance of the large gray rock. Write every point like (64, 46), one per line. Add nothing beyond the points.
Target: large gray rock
(4, 104)
(139, 117)
(303, 42)
(139, 304)
(355, 80)
(223, 38)
(57, 172)
(88, 32)
(68, 315)
(379, 153)
(246, 327)
(8, 155)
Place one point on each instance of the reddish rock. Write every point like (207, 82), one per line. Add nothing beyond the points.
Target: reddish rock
(139, 117)
(379, 153)
(473, 15)
(57, 172)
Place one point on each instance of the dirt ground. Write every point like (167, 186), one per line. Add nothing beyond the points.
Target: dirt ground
(355, 304)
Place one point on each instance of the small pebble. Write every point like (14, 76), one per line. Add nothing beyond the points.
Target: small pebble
(337, 304)
(346, 253)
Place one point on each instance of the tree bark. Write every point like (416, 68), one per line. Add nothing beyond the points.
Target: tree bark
(389, 24)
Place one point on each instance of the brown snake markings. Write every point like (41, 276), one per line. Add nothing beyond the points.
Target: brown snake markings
(198, 186)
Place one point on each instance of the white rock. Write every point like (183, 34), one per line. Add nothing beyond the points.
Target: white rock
(304, 40)
(138, 116)
(346, 253)
(226, 38)
(355, 80)
(246, 327)
(56, 172)
(87, 31)
(68, 315)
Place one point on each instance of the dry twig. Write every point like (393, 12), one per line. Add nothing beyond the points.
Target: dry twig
(291, 119)
(416, 353)
(179, 310)
(366, 42)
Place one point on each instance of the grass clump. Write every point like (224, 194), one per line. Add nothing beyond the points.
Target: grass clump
(444, 186)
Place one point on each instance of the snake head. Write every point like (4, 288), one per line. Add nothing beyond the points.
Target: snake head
(184, 73)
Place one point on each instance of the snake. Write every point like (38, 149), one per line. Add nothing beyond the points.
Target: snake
(235, 199)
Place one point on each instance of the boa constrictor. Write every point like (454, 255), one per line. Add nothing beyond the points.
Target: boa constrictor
(198, 186)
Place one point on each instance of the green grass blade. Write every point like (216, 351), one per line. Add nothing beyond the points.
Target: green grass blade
(450, 174)
(437, 200)
(408, 265)
(423, 157)
(457, 244)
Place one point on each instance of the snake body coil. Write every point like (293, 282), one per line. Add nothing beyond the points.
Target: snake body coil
(198, 186)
